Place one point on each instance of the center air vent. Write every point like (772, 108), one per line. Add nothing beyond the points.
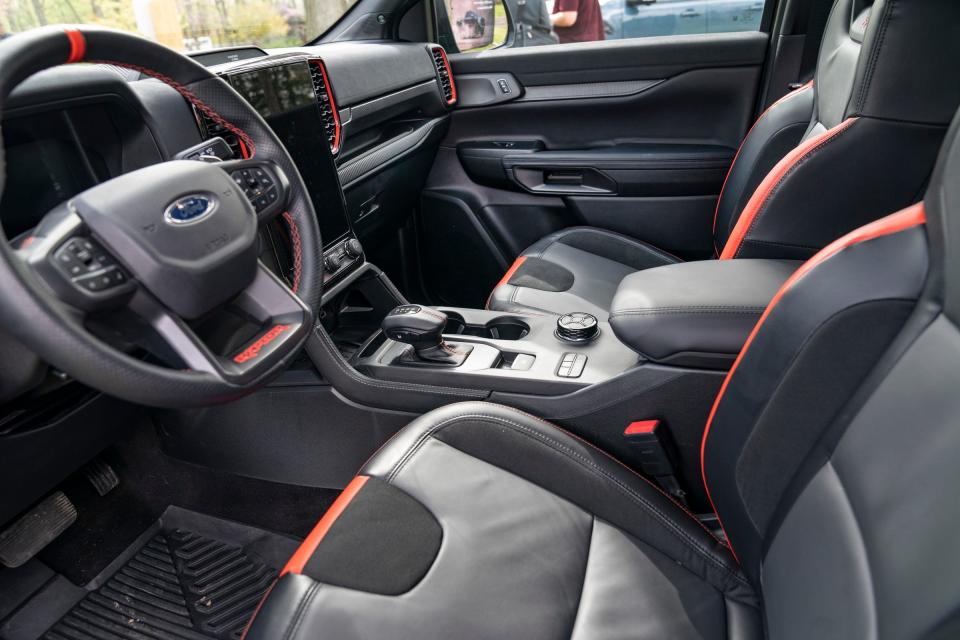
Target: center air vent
(328, 108)
(444, 74)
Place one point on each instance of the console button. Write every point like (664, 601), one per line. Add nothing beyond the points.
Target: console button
(572, 365)
(331, 263)
(353, 248)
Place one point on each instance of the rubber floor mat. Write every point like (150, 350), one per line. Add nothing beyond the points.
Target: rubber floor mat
(180, 586)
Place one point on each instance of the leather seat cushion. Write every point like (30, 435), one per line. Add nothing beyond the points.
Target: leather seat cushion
(528, 514)
(576, 269)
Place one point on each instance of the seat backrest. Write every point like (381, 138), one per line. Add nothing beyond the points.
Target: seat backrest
(831, 452)
(880, 104)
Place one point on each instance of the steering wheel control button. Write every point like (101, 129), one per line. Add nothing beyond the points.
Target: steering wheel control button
(577, 327)
(107, 279)
(259, 185)
(572, 365)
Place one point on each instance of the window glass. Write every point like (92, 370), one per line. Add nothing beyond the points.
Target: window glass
(186, 25)
(539, 22)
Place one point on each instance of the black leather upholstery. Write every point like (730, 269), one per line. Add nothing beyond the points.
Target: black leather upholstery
(830, 456)
(695, 313)
(544, 537)
(859, 143)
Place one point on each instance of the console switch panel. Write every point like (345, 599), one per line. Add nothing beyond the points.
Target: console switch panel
(572, 365)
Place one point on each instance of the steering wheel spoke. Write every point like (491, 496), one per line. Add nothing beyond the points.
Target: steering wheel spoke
(263, 182)
(278, 323)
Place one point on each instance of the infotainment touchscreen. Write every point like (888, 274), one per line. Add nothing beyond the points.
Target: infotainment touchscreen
(283, 94)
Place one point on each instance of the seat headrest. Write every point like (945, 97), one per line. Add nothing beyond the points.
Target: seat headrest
(942, 205)
(907, 67)
(890, 59)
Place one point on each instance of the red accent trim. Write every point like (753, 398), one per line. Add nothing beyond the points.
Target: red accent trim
(78, 45)
(253, 350)
(771, 181)
(312, 541)
(335, 147)
(716, 212)
(446, 63)
(506, 277)
(905, 219)
(297, 250)
(247, 147)
(641, 426)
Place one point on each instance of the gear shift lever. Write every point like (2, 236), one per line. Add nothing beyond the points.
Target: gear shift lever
(422, 328)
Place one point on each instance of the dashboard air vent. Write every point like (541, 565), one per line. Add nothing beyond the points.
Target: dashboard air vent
(444, 74)
(328, 108)
(211, 129)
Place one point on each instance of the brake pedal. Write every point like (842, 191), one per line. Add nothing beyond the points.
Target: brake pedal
(102, 476)
(36, 529)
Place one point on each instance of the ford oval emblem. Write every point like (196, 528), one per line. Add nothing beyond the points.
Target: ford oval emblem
(190, 209)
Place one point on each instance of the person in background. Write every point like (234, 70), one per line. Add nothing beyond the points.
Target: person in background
(577, 20)
(532, 20)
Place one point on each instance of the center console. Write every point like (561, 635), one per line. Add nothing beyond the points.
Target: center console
(497, 351)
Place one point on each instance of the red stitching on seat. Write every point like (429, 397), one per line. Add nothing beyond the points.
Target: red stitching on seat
(248, 148)
(297, 250)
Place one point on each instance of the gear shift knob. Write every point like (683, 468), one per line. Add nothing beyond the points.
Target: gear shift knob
(415, 325)
(422, 328)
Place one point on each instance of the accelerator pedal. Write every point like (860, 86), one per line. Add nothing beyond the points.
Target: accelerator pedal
(36, 529)
(102, 476)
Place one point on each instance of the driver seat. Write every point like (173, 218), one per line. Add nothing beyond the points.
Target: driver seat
(829, 455)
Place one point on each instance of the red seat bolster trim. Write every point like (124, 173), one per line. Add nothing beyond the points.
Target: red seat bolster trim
(506, 277)
(716, 211)
(313, 540)
(894, 223)
(770, 182)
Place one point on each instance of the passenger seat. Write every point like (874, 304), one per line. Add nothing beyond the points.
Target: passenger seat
(859, 140)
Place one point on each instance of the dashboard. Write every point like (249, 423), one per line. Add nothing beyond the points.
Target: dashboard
(348, 113)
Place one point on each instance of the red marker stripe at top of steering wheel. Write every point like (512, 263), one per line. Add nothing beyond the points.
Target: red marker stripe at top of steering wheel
(78, 45)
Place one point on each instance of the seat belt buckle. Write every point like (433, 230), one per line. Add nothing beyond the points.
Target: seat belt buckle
(655, 452)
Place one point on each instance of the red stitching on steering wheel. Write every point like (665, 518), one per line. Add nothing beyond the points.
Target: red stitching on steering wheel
(295, 241)
(247, 147)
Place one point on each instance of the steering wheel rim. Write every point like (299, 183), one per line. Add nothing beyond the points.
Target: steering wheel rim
(33, 311)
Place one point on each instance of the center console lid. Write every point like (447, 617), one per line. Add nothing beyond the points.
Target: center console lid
(695, 314)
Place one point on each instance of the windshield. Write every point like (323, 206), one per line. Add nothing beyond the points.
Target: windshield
(186, 25)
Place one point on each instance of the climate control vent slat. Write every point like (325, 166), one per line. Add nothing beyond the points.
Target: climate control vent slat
(444, 74)
(328, 107)
(211, 129)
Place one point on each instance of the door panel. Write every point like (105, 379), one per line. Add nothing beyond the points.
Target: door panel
(634, 136)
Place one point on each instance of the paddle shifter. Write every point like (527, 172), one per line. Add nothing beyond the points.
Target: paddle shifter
(422, 328)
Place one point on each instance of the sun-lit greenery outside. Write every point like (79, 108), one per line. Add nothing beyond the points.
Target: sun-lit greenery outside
(186, 25)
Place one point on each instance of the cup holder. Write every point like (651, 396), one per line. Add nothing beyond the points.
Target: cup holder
(496, 329)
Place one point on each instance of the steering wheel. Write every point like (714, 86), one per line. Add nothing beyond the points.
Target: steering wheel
(157, 251)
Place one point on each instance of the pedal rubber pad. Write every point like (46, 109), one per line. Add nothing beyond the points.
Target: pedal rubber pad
(36, 529)
(102, 476)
